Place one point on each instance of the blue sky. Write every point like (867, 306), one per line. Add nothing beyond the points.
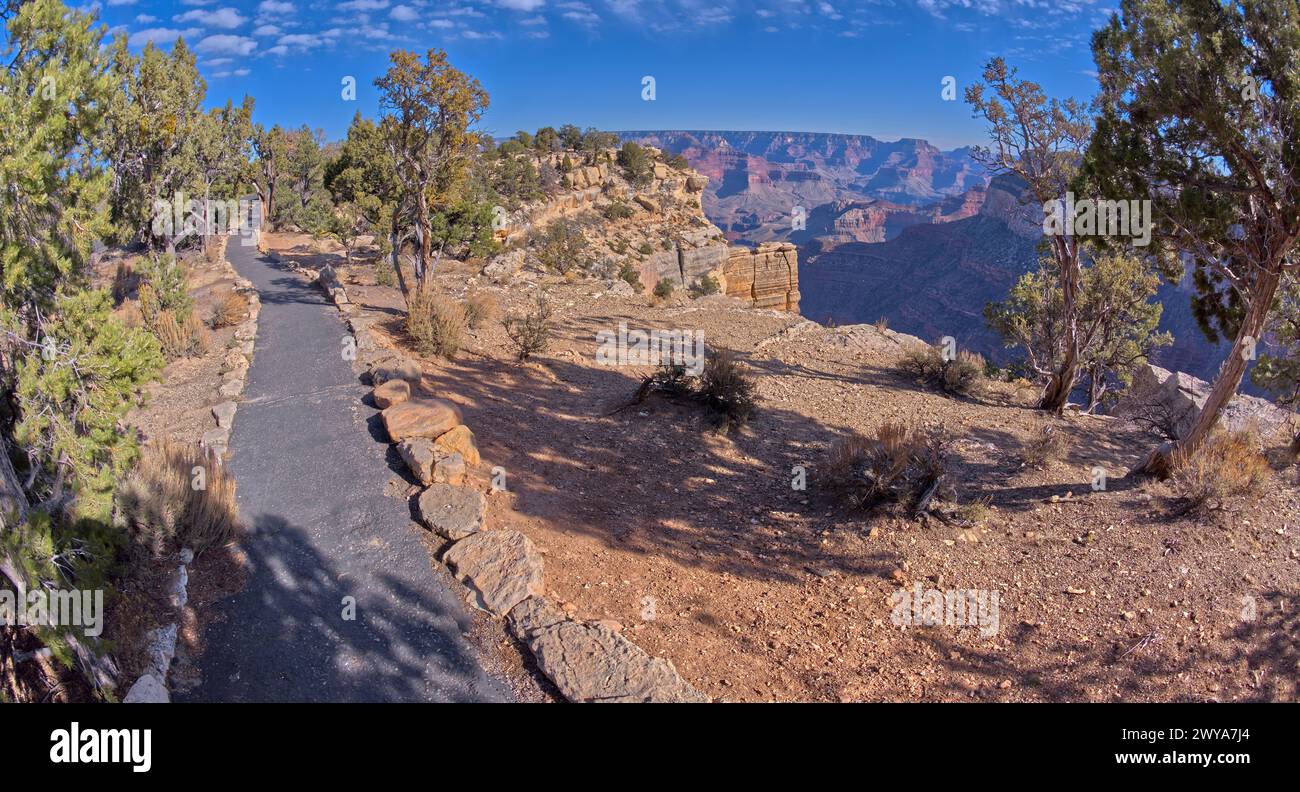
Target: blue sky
(870, 67)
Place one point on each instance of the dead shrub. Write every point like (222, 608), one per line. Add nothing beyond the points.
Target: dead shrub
(480, 309)
(530, 332)
(723, 386)
(178, 496)
(726, 388)
(962, 375)
(230, 310)
(901, 463)
(435, 322)
(1047, 444)
(1227, 467)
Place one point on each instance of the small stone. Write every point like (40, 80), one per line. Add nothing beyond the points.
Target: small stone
(148, 689)
(460, 440)
(452, 512)
(419, 456)
(390, 393)
(216, 439)
(231, 388)
(225, 414)
(450, 470)
(899, 577)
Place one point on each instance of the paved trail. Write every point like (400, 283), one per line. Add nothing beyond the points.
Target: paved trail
(311, 473)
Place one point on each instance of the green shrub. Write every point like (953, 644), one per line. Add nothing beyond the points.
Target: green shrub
(962, 375)
(617, 210)
(562, 248)
(706, 285)
(664, 289)
(631, 275)
(726, 387)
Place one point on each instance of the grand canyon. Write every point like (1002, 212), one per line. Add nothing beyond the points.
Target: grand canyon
(894, 230)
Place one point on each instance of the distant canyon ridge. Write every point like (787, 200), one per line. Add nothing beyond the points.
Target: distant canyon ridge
(899, 230)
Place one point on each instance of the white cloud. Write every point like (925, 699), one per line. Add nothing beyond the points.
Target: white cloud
(160, 36)
(226, 44)
(278, 50)
(521, 5)
(267, 30)
(223, 18)
(145, 19)
(121, 2)
(404, 13)
(580, 13)
(363, 5)
(441, 23)
(272, 7)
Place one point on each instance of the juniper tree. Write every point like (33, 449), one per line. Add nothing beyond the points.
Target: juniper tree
(1041, 140)
(1200, 109)
(431, 109)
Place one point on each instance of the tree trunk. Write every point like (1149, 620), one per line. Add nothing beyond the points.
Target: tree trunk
(394, 255)
(1057, 393)
(1226, 382)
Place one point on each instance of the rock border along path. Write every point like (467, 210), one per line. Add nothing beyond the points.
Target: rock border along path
(324, 541)
(501, 568)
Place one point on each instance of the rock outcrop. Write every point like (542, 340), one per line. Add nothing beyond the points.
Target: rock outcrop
(767, 276)
(1169, 401)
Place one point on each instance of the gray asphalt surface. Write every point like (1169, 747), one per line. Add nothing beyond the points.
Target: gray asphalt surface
(311, 461)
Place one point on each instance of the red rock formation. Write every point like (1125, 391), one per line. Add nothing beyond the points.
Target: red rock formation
(767, 276)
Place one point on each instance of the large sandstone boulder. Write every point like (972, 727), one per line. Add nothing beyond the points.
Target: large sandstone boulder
(1171, 400)
(420, 417)
(452, 512)
(591, 662)
(501, 568)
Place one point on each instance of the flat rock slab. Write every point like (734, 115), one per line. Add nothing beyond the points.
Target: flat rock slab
(420, 418)
(460, 440)
(452, 512)
(396, 368)
(391, 393)
(501, 568)
(592, 663)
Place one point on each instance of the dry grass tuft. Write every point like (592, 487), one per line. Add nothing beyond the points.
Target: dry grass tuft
(1228, 467)
(901, 463)
(1047, 444)
(230, 310)
(435, 322)
(480, 309)
(177, 496)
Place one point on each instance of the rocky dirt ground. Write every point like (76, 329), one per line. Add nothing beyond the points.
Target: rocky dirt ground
(696, 545)
(178, 407)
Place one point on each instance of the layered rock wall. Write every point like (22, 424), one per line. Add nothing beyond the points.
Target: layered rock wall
(767, 276)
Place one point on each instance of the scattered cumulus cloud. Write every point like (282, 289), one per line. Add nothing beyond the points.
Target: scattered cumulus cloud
(223, 18)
